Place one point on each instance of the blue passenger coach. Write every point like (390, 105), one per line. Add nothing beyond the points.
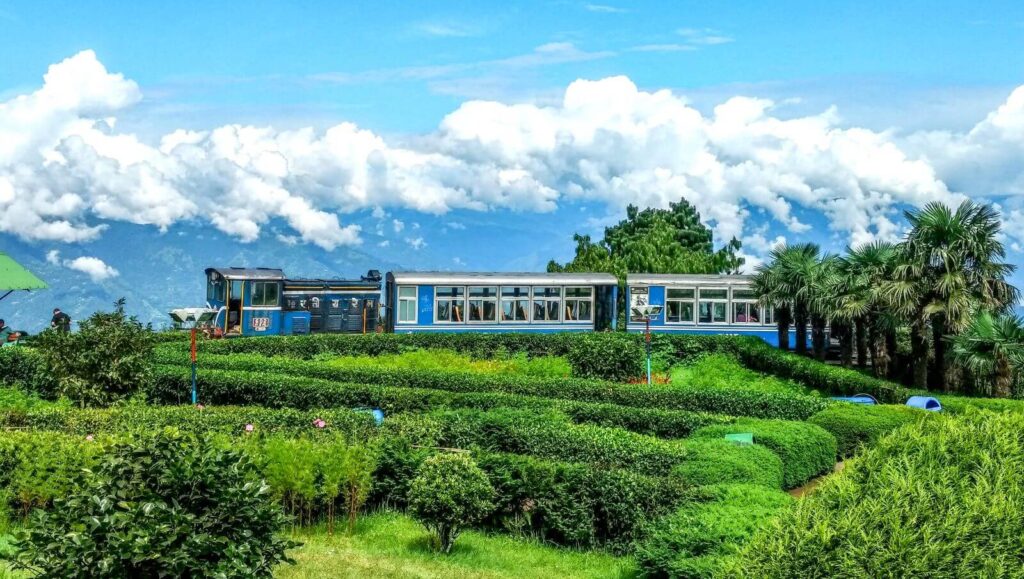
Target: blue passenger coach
(701, 304)
(500, 302)
(261, 301)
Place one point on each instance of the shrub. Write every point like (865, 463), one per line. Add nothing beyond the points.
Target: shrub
(710, 462)
(725, 371)
(171, 504)
(107, 360)
(806, 450)
(37, 468)
(450, 492)
(854, 425)
(617, 357)
(698, 540)
(172, 386)
(939, 498)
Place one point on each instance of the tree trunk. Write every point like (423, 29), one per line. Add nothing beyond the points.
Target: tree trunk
(818, 342)
(845, 332)
(783, 316)
(800, 321)
(893, 353)
(879, 353)
(862, 342)
(1002, 385)
(919, 354)
(938, 370)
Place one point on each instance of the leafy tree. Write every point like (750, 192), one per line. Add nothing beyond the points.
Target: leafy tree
(167, 505)
(993, 349)
(653, 241)
(449, 493)
(107, 360)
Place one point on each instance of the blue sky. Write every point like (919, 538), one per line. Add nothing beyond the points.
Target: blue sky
(920, 77)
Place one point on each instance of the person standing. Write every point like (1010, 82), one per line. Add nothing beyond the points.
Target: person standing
(60, 321)
(5, 332)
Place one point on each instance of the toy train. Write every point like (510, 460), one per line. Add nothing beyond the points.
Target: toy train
(263, 301)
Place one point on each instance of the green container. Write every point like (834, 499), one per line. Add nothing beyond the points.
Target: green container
(741, 437)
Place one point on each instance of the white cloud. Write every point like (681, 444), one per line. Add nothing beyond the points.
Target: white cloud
(416, 243)
(448, 29)
(94, 267)
(66, 171)
(704, 36)
(455, 225)
(605, 9)
(669, 47)
(397, 225)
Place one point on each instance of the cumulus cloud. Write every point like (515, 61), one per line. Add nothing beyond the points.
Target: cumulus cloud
(66, 171)
(94, 267)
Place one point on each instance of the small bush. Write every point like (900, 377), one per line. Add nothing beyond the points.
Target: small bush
(854, 425)
(449, 493)
(806, 450)
(107, 360)
(617, 357)
(169, 505)
(939, 498)
(698, 540)
(711, 462)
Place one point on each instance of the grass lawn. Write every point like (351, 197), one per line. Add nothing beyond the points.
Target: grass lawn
(394, 545)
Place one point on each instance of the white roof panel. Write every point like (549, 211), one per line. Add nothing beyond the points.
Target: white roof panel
(687, 279)
(501, 278)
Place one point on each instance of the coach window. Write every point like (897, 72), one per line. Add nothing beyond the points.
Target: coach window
(215, 289)
(768, 316)
(712, 306)
(579, 304)
(515, 303)
(407, 304)
(679, 303)
(264, 293)
(483, 303)
(547, 301)
(450, 304)
(744, 307)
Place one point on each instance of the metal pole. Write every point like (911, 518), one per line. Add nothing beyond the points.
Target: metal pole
(195, 393)
(647, 346)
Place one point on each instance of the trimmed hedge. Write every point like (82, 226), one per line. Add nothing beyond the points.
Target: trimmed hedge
(854, 425)
(278, 391)
(736, 401)
(551, 436)
(939, 498)
(571, 504)
(806, 450)
(700, 539)
(711, 462)
(213, 419)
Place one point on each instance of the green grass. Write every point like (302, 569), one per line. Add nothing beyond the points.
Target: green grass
(393, 545)
(434, 360)
(724, 371)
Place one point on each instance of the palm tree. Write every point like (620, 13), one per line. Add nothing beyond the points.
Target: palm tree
(865, 269)
(786, 280)
(949, 265)
(826, 291)
(992, 348)
(768, 287)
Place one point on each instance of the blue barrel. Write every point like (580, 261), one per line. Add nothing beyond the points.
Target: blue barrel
(925, 403)
(857, 399)
(378, 416)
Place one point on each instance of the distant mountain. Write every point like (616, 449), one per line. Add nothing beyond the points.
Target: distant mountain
(159, 271)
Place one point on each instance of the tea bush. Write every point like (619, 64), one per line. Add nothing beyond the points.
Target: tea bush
(450, 492)
(701, 538)
(710, 462)
(806, 450)
(855, 425)
(170, 504)
(942, 497)
(171, 386)
(617, 357)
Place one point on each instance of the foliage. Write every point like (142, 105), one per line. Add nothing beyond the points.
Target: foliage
(107, 360)
(615, 357)
(710, 462)
(721, 370)
(992, 349)
(857, 425)
(698, 540)
(654, 241)
(305, 384)
(806, 450)
(450, 492)
(37, 468)
(939, 498)
(433, 360)
(170, 504)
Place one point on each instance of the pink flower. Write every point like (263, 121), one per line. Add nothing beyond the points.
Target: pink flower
(89, 438)
(319, 423)
(249, 427)
(199, 407)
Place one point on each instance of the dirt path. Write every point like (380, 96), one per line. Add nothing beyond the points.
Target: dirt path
(814, 482)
